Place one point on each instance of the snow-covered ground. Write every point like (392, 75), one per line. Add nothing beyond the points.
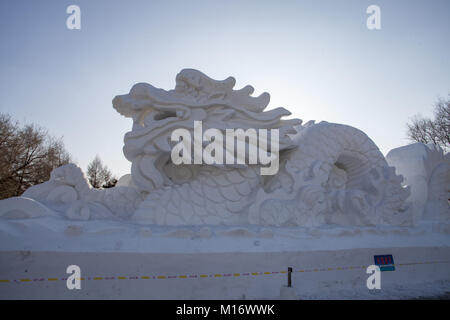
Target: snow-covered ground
(120, 260)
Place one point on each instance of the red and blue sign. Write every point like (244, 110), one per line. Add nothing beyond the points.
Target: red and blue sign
(385, 262)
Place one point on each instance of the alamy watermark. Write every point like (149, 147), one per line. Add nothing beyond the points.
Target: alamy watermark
(73, 21)
(374, 20)
(374, 280)
(74, 280)
(220, 151)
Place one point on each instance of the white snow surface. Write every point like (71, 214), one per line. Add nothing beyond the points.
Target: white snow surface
(58, 234)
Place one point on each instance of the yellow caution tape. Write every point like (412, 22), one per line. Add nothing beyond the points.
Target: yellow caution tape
(215, 275)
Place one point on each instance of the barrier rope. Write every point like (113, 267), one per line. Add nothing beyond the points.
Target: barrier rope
(204, 275)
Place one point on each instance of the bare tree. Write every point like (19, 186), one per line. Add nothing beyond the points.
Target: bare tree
(442, 121)
(27, 156)
(437, 130)
(99, 175)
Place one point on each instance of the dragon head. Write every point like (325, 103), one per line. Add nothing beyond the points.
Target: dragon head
(156, 113)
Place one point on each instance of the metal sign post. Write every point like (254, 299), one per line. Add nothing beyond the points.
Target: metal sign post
(289, 277)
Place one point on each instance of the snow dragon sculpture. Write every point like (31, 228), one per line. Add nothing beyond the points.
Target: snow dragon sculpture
(328, 173)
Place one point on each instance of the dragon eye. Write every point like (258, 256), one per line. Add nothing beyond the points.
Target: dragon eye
(165, 114)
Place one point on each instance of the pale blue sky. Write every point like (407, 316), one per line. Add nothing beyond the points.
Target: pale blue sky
(315, 58)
